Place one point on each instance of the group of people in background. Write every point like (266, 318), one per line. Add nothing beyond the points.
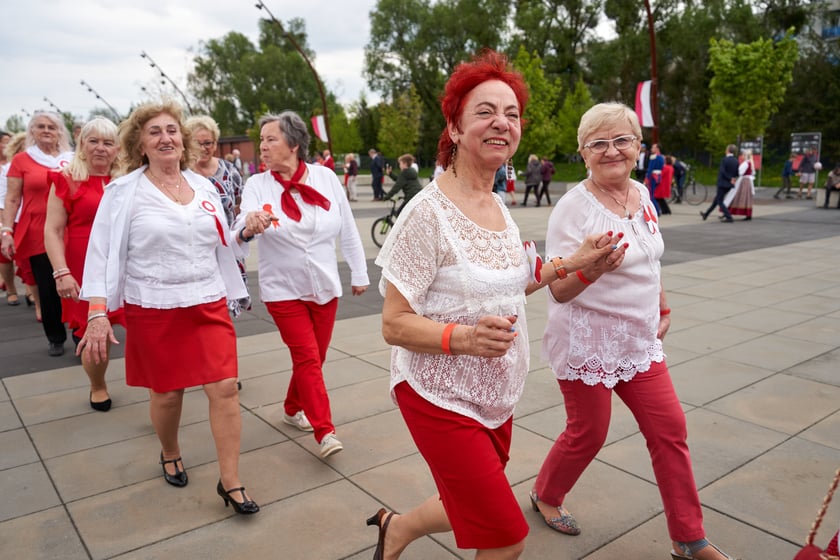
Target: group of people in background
(145, 226)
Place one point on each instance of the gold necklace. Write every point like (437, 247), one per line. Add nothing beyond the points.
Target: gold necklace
(626, 197)
(176, 196)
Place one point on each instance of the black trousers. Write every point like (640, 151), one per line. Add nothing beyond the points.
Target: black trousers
(528, 189)
(544, 191)
(50, 301)
(718, 201)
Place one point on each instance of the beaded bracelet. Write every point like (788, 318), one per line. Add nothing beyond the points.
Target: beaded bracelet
(6, 229)
(60, 272)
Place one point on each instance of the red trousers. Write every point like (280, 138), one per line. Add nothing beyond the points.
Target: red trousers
(306, 328)
(651, 398)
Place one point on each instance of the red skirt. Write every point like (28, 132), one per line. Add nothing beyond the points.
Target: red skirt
(171, 349)
(467, 461)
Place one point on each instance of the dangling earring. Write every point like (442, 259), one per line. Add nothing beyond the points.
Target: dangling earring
(452, 157)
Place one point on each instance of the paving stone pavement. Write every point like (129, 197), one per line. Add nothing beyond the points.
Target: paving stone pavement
(754, 351)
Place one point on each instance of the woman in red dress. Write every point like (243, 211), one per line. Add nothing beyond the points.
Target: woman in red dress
(47, 147)
(74, 196)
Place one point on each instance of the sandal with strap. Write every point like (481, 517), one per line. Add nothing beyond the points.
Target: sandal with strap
(688, 550)
(565, 523)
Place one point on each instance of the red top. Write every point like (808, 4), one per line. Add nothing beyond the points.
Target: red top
(29, 231)
(80, 202)
(663, 189)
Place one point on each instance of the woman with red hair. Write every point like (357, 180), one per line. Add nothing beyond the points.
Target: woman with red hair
(454, 277)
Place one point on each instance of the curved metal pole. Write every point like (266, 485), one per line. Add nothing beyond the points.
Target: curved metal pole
(102, 99)
(654, 86)
(163, 75)
(261, 6)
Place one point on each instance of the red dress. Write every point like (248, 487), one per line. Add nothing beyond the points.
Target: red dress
(29, 230)
(80, 202)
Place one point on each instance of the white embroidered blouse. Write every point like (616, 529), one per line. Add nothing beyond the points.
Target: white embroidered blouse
(607, 333)
(453, 271)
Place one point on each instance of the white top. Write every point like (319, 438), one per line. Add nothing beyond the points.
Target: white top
(608, 332)
(297, 260)
(122, 227)
(453, 271)
(171, 260)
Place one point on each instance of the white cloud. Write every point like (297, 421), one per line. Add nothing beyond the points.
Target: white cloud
(48, 46)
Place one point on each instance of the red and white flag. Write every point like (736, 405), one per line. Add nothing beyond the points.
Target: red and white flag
(320, 128)
(643, 104)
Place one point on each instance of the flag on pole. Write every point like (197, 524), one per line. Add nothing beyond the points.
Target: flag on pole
(643, 104)
(320, 128)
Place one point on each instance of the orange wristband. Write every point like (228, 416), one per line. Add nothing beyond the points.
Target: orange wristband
(98, 307)
(445, 338)
(582, 278)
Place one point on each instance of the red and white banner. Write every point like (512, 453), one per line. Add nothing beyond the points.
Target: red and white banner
(320, 128)
(643, 110)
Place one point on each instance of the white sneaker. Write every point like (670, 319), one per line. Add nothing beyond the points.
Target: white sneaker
(299, 421)
(330, 445)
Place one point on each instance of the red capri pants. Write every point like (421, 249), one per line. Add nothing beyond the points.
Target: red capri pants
(467, 460)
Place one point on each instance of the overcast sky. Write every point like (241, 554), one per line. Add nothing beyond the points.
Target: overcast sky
(48, 46)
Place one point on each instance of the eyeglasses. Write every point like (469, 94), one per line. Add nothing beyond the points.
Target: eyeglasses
(620, 143)
(208, 144)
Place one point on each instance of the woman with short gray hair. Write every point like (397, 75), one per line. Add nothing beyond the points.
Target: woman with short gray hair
(298, 211)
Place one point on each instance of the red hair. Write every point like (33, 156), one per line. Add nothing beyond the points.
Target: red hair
(486, 65)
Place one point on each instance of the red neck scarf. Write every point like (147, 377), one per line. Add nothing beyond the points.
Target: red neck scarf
(307, 193)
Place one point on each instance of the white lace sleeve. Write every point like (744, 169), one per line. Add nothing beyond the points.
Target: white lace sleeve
(410, 256)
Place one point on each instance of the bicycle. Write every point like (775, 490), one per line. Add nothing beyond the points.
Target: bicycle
(693, 192)
(382, 226)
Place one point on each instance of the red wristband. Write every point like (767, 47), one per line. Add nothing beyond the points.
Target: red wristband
(582, 278)
(97, 307)
(664, 312)
(445, 338)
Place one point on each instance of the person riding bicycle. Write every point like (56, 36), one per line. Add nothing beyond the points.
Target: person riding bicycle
(407, 181)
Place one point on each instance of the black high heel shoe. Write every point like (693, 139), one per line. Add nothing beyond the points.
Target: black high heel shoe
(376, 519)
(178, 479)
(247, 507)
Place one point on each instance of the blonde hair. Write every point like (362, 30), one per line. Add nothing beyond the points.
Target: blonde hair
(101, 127)
(131, 130)
(604, 115)
(16, 145)
(203, 122)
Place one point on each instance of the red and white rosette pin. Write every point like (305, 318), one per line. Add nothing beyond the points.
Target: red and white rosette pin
(650, 219)
(210, 208)
(534, 261)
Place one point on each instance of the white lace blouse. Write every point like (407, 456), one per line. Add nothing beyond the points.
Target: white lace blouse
(453, 271)
(607, 333)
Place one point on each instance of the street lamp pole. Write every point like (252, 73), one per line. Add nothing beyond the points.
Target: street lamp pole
(260, 5)
(163, 75)
(102, 99)
(654, 86)
(53, 105)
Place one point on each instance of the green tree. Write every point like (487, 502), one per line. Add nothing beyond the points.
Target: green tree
(541, 132)
(233, 79)
(15, 123)
(400, 124)
(556, 30)
(419, 43)
(748, 86)
(577, 102)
